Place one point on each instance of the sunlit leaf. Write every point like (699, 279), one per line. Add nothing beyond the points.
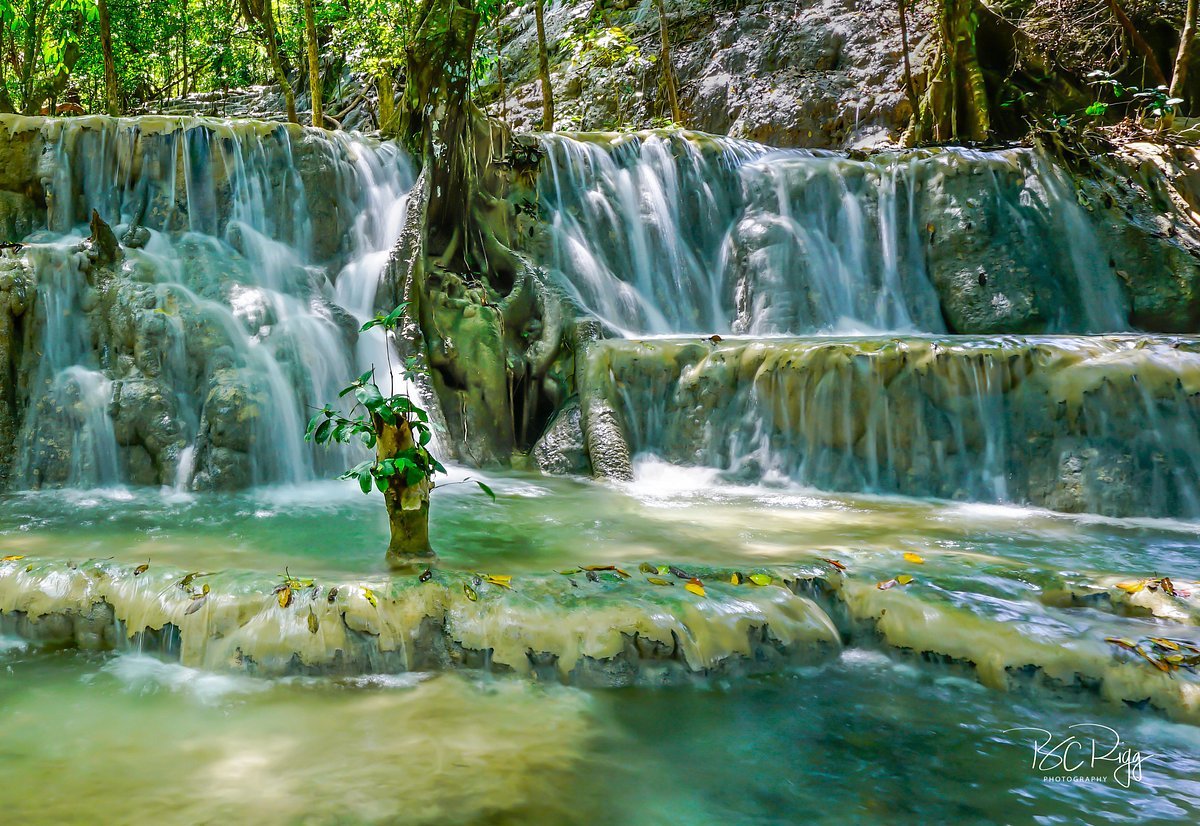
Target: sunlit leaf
(760, 579)
(470, 592)
(695, 588)
(735, 579)
(903, 579)
(1132, 587)
(370, 596)
(284, 596)
(497, 579)
(916, 559)
(12, 558)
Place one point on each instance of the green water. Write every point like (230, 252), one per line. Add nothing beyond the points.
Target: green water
(871, 736)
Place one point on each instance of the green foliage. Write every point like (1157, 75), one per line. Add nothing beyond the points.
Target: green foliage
(366, 419)
(1149, 103)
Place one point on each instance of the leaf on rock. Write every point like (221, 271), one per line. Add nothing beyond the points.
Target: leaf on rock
(695, 588)
(285, 596)
(835, 563)
(647, 568)
(903, 579)
(915, 559)
(470, 592)
(760, 579)
(1132, 587)
(370, 596)
(12, 558)
(141, 569)
(736, 579)
(679, 572)
(657, 580)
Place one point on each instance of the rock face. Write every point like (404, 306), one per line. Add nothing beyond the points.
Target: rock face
(817, 74)
(181, 346)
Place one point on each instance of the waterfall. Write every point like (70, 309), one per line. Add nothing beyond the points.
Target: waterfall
(683, 233)
(251, 256)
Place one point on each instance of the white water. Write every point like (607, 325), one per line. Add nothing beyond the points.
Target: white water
(250, 304)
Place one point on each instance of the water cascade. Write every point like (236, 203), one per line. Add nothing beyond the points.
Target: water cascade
(883, 259)
(190, 354)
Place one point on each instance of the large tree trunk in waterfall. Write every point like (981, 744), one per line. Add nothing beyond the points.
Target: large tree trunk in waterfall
(669, 82)
(314, 62)
(481, 319)
(1183, 54)
(955, 106)
(112, 94)
(544, 68)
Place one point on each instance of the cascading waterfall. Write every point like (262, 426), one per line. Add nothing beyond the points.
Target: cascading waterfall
(683, 233)
(674, 233)
(250, 256)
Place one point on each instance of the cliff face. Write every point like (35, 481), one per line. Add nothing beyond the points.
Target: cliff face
(823, 73)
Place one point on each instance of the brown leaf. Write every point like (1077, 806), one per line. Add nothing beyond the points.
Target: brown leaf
(835, 563)
(285, 596)
(141, 569)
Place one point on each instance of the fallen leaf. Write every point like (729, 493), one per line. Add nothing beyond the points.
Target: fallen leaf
(196, 605)
(141, 569)
(370, 595)
(657, 580)
(647, 568)
(1168, 585)
(285, 597)
(736, 579)
(29, 567)
(760, 579)
(470, 592)
(679, 572)
(425, 576)
(500, 581)
(696, 588)
(903, 579)
(883, 586)
(835, 563)
(12, 558)
(333, 592)
(1123, 643)
(568, 571)
(623, 574)
(915, 559)
(314, 624)
(715, 339)
(1162, 643)
(599, 567)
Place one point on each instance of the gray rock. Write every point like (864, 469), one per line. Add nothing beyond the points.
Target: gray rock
(562, 451)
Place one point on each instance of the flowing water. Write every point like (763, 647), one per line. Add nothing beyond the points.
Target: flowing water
(806, 435)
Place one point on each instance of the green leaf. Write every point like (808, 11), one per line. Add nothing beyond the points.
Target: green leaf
(364, 481)
(486, 490)
(381, 482)
(369, 396)
(1096, 109)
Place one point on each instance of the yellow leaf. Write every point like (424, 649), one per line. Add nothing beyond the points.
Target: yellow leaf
(736, 579)
(499, 579)
(29, 567)
(916, 559)
(370, 595)
(657, 580)
(1132, 587)
(285, 597)
(903, 579)
(314, 624)
(1167, 644)
(760, 579)
(696, 588)
(12, 558)
(470, 592)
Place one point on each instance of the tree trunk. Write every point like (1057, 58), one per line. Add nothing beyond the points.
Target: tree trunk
(260, 14)
(544, 69)
(910, 88)
(314, 62)
(112, 94)
(955, 105)
(1139, 43)
(407, 505)
(1183, 55)
(500, 69)
(668, 72)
